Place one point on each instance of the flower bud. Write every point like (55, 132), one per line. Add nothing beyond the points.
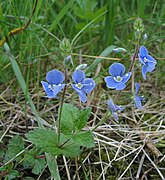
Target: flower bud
(121, 50)
(65, 47)
(81, 67)
(68, 60)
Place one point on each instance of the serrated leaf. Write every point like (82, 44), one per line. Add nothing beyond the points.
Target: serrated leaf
(12, 174)
(84, 138)
(47, 140)
(82, 118)
(68, 117)
(37, 164)
(15, 146)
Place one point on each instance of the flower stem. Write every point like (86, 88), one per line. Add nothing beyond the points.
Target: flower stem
(134, 57)
(131, 67)
(61, 107)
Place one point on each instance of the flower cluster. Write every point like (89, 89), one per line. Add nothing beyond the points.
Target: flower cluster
(117, 81)
(55, 79)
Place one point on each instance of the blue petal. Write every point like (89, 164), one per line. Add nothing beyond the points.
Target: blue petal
(58, 88)
(88, 85)
(55, 77)
(141, 59)
(120, 86)
(137, 86)
(137, 100)
(81, 93)
(150, 67)
(111, 83)
(115, 116)
(126, 77)
(48, 91)
(111, 105)
(119, 108)
(143, 51)
(151, 59)
(144, 71)
(78, 76)
(116, 69)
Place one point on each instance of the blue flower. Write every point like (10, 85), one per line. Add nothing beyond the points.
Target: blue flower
(83, 85)
(138, 99)
(55, 79)
(117, 79)
(147, 61)
(114, 108)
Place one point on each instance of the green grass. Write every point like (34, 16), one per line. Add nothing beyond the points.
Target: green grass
(91, 26)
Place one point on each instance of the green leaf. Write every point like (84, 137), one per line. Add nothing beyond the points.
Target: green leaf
(53, 166)
(12, 174)
(84, 138)
(47, 140)
(68, 117)
(83, 117)
(105, 53)
(31, 160)
(39, 165)
(15, 146)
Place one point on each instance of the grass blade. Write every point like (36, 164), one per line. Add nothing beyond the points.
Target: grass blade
(105, 53)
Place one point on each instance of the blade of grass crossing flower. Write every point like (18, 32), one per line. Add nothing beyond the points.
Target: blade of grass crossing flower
(105, 53)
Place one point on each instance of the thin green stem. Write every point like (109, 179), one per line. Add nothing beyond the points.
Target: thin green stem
(61, 107)
(60, 113)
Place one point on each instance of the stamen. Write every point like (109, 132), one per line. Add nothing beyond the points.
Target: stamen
(79, 85)
(118, 78)
(52, 87)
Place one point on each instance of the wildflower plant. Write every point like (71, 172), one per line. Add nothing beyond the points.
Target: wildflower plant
(69, 137)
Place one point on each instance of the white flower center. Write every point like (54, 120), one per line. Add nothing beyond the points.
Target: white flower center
(145, 59)
(53, 86)
(79, 85)
(118, 78)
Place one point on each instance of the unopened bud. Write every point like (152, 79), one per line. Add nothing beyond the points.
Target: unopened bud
(81, 67)
(68, 59)
(121, 50)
